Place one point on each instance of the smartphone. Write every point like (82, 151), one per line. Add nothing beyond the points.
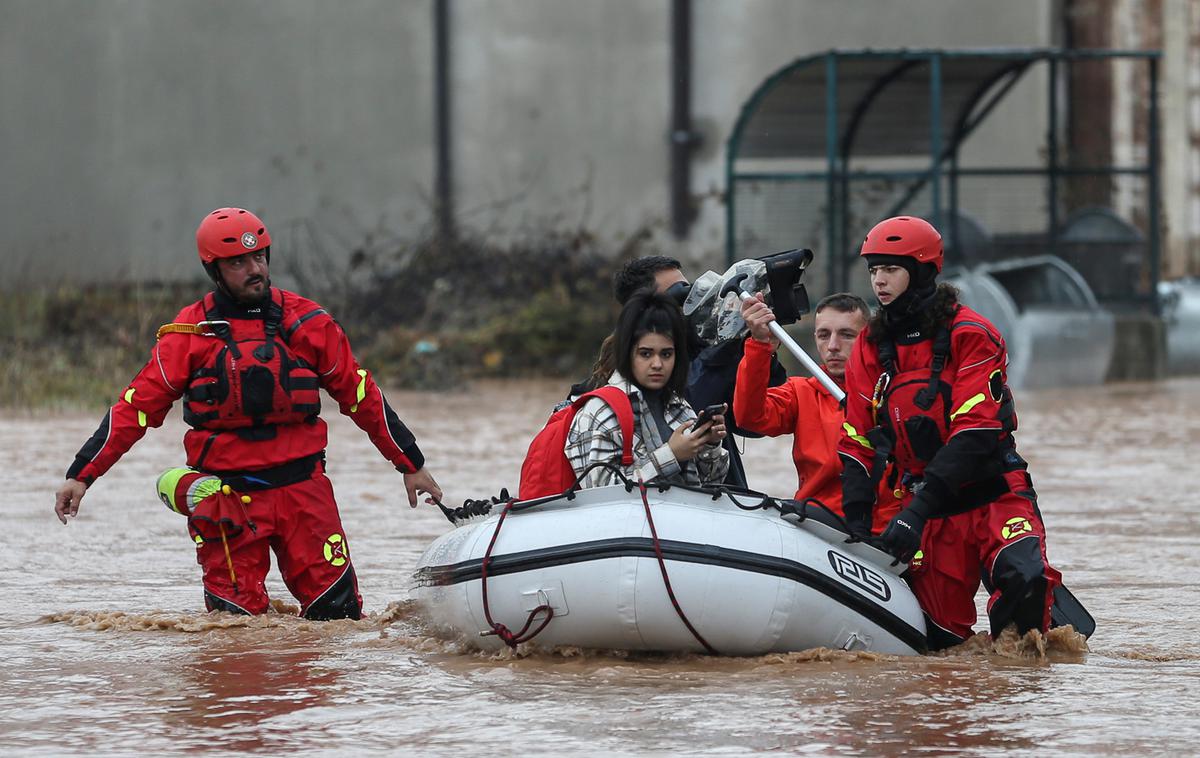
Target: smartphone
(704, 416)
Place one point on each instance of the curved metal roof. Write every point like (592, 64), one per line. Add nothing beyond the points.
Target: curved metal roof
(788, 115)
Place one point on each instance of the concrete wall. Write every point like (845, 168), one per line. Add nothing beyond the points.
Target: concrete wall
(573, 98)
(124, 121)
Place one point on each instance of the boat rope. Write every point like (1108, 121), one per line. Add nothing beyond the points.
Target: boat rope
(766, 504)
(228, 557)
(500, 630)
(470, 508)
(662, 565)
(799, 508)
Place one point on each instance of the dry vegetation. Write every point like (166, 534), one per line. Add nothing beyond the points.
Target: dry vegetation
(418, 316)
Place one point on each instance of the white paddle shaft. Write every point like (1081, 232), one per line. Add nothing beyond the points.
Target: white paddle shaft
(813, 367)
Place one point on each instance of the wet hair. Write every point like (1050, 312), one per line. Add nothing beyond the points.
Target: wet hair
(639, 273)
(648, 312)
(844, 302)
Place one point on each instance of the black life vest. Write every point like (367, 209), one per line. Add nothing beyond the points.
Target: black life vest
(912, 408)
(914, 405)
(250, 380)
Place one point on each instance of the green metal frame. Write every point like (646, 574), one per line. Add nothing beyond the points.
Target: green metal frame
(943, 148)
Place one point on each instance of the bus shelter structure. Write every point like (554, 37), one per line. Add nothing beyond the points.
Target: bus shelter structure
(832, 143)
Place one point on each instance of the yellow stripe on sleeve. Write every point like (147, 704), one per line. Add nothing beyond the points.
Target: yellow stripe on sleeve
(967, 406)
(853, 434)
(361, 392)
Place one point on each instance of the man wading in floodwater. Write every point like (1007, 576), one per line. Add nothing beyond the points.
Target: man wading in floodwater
(249, 361)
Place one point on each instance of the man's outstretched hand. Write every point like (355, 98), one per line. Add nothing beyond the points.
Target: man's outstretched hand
(66, 500)
(421, 483)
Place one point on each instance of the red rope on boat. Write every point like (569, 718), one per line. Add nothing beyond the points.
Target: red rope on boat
(500, 630)
(662, 565)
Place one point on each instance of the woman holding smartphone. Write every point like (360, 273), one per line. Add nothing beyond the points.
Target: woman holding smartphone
(669, 442)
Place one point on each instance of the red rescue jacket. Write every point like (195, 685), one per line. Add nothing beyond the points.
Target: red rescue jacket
(251, 390)
(923, 413)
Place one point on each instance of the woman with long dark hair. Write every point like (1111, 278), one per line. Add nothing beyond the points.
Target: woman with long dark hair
(650, 344)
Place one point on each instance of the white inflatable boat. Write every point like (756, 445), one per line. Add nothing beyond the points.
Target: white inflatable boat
(740, 579)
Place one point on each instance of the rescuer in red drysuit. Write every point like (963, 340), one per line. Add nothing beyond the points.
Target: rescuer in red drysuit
(801, 406)
(249, 361)
(927, 387)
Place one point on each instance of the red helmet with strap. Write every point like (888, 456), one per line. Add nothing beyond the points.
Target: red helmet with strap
(907, 237)
(228, 233)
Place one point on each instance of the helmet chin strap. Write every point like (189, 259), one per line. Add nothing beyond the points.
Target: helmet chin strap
(214, 273)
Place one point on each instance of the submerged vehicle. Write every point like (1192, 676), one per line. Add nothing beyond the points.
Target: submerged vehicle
(666, 568)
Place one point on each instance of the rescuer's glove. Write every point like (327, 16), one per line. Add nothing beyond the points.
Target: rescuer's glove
(902, 538)
(858, 519)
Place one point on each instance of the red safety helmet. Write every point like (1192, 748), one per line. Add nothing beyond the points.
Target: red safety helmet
(905, 236)
(228, 233)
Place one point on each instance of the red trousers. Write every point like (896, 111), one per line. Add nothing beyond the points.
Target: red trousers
(1002, 544)
(300, 523)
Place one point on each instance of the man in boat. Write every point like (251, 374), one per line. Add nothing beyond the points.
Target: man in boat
(712, 374)
(926, 387)
(801, 406)
(249, 360)
(664, 275)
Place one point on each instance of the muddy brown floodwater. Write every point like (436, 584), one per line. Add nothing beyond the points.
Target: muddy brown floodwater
(104, 646)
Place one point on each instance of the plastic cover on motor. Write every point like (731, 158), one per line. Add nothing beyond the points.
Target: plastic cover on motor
(715, 318)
